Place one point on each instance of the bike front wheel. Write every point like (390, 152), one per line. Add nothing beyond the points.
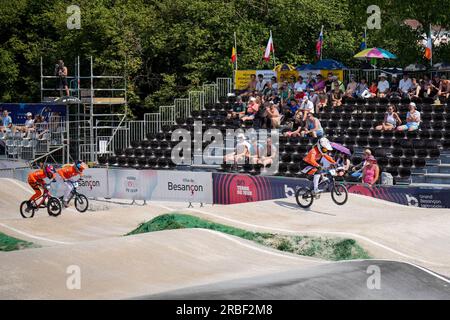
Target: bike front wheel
(23, 211)
(54, 207)
(304, 197)
(339, 194)
(81, 202)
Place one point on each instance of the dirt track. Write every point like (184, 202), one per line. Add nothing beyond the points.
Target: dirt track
(119, 267)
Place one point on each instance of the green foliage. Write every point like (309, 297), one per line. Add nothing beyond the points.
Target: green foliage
(324, 248)
(8, 243)
(180, 44)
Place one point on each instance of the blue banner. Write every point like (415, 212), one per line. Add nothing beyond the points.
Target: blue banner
(18, 111)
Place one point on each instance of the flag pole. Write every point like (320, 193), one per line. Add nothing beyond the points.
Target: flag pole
(273, 49)
(321, 45)
(431, 40)
(235, 48)
(365, 37)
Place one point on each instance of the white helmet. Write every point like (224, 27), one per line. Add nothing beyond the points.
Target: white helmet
(324, 145)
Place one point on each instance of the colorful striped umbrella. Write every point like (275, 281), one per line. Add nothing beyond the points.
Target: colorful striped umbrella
(375, 53)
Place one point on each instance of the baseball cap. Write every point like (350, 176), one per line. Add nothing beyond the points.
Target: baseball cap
(29, 114)
(412, 104)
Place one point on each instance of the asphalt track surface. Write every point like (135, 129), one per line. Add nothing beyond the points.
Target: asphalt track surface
(411, 245)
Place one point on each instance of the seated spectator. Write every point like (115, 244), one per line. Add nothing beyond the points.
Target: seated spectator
(313, 97)
(383, 86)
(299, 94)
(423, 88)
(7, 125)
(404, 86)
(313, 127)
(267, 153)
(241, 154)
(293, 106)
(323, 100)
(391, 119)
(251, 86)
(252, 108)
(285, 93)
(444, 88)
(300, 84)
(41, 126)
(320, 83)
(425, 85)
(28, 127)
(371, 92)
(361, 88)
(393, 90)
(371, 171)
(273, 116)
(337, 83)
(358, 169)
(336, 97)
(274, 83)
(260, 83)
(412, 119)
(267, 91)
(296, 126)
(435, 84)
(329, 82)
(342, 164)
(414, 92)
(351, 88)
(239, 108)
(291, 83)
(306, 107)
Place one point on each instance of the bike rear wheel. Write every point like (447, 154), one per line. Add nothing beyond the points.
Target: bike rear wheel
(24, 213)
(339, 194)
(81, 202)
(54, 207)
(304, 197)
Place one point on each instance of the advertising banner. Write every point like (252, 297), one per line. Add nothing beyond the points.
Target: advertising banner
(337, 73)
(184, 186)
(309, 74)
(132, 184)
(267, 74)
(242, 78)
(286, 75)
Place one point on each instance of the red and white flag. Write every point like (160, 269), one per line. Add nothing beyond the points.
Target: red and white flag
(429, 49)
(269, 49)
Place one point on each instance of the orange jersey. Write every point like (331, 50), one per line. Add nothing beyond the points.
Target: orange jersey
(313, 157)
(37, 176)
(68, 172)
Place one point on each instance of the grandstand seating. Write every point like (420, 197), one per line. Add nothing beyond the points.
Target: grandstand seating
(351, 125)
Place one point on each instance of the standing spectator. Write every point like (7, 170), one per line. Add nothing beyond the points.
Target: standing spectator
(7, 125)
(371, 172)
(260, 83)
(383, 86)
(351, 88)
(405, 85)
(412, 119)
(313, 127)
(61, 71)
(336, 97)
(361, 88)
(273, 116)
(391, 119)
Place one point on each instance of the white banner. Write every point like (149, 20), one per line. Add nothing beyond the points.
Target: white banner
(132, 184)
(184, 186)
(268, 74)
(94, 184)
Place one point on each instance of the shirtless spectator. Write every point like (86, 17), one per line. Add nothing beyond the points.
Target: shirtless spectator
(273, 115)
(62, 72)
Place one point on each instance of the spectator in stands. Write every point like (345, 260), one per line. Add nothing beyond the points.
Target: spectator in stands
(273, 115)
(7, 125)
(313, 97)
(425, 85)
(405, 85)
(306, 107)
(28, 126)
(337, 83)
(300, 84)
(391, 119)
(291, 83)
(299, 94)
(293, 106)
(371, 92)
(241, 153)
(41, 126)
(412, 119)
(274, 83)
(351, 88)
(435, 84)
(414, 92)
(267, 153)
(239, 108)
(252, 108)
(260, 83)
(393, 90)
(320, 84)
(336, 97)
(329, 82)
(361, 88)
(371, 171)
(444, 88)
(313, 127)
(383, 86)
(285, 93)
(342, 164)
(323, 100)
(61, 72)
(267, 91)
(358, 169)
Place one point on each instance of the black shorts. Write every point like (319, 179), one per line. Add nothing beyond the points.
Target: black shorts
(62, 82)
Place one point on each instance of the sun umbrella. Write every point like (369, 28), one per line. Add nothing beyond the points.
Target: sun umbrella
(375, 53)
(441, 66)
(284, 67)
(341, 148)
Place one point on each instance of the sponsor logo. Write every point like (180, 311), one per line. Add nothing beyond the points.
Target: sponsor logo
(131, 184)
(87, 182)
(412, 201)
(186, 185)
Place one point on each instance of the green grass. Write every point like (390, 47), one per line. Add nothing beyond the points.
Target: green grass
(8, 243)
(319, 247)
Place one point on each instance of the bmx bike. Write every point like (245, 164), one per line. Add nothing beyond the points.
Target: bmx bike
(46, 200)
(81, 201)
(305, 196)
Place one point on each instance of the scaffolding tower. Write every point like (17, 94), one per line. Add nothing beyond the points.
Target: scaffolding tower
(92, 118)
